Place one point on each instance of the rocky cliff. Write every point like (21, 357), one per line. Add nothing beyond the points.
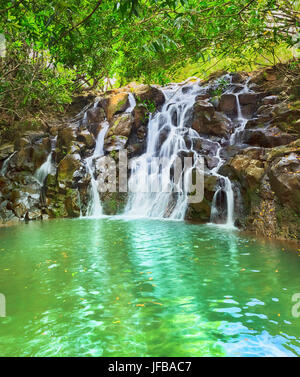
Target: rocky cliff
(264, 166)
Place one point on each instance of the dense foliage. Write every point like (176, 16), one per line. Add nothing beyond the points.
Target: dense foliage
(56, 47)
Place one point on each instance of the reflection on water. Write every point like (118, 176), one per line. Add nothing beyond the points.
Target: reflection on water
(144, 288)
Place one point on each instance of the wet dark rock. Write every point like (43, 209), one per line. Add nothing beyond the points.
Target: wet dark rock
(85, 137)
(95, 115)
(270, 100)
(238, 78)
(66, 135)
(140, 116)
(285, 180)
(6, 150)
(206, 120)
(268, 137)
(149, 94)
(228, 104)
(201, 211)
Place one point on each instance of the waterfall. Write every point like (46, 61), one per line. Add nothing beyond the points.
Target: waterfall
(152, 191)
(46, 168)
(170, 135)
(6, 163)
(94, 207)
(226, 184)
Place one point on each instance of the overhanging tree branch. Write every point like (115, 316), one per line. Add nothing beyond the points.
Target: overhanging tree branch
(13, 6)
(83, 21)
(246, 6)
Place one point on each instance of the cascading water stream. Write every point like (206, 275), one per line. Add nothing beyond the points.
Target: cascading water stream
(6, 164)
(235, 138)
(172, 125)
(94, 207)
(152, 191)
(132, 103)
(47, 167)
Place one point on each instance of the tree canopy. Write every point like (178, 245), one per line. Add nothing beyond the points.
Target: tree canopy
(63, 44)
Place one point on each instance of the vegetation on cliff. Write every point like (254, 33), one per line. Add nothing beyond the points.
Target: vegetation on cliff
(56, 48)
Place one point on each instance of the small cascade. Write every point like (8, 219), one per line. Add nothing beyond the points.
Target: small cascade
(236, 137)
(6, 164)
(218, 207)
(47, 167)
(225, 183)
(94, 207)
(132, 103)
(79, 203)
(152, 191)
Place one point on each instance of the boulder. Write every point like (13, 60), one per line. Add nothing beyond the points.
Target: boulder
(149, 94)
(268, 137)
(67, 167)
(6, 215)
(34, 214)
(121, 125)
(270, 100)
(205, 120)
(6, 150)
(285, 180)
(238, 78)
(201, 211)
(114, 103)
(140, 116)
(33, 136)
(249, 98)
(251, 170)
(22, 160)
(95, 115)
(228, 104)
(40, 152)
(66, 135)
(71, 203)
(85, 137)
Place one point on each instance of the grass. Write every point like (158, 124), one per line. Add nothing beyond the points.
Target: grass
(246, 63)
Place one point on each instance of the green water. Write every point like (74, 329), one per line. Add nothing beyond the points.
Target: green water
(144, 288)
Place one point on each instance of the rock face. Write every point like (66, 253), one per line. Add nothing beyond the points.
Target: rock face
(284, 178)
(149, 94)
(263, 164)
(228, 104)
(5, 151)
(67, 167)
(114, 103)
(207, 121)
